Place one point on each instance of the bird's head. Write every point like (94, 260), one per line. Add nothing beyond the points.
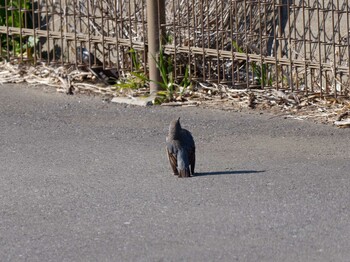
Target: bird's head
(174, 127)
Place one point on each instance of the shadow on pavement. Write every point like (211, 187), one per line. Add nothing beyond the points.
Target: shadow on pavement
(229, 172)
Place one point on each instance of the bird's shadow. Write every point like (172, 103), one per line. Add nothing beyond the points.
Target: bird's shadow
(229, 172)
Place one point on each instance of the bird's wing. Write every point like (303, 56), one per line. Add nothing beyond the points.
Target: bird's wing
(187, 138)
(192, 156)
(172, 159)
(188, 142)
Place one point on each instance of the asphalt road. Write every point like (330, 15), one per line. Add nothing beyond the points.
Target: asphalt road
(86, 180)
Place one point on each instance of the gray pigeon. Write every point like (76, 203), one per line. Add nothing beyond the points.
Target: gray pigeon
(181, 150)
(96, 67)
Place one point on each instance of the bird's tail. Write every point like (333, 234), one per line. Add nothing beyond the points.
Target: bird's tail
(183, 163)
(184, 172)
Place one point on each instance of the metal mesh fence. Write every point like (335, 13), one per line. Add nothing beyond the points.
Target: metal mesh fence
(108, 34)
(300, 45)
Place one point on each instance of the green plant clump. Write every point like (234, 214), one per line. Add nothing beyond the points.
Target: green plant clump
(137, 79)
(168, 84)
(14, 13)
(260, 72)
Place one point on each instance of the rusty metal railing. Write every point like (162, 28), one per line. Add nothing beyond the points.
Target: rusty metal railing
(111, 32)
(300, 45)
(297, 45)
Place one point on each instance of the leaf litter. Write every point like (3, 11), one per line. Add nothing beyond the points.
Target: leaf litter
(283, 102)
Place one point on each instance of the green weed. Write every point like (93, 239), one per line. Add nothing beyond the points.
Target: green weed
(261, 73)
(169, 88)
(16, 17)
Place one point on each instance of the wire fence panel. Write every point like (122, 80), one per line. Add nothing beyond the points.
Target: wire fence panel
(101, 34)
(300, 45)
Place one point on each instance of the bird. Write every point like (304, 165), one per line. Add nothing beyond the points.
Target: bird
(181, 150)
(96, 67)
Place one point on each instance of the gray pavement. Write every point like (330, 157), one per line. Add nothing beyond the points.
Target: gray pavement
(86, 180)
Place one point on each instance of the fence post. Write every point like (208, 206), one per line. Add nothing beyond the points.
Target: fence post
(155, 18)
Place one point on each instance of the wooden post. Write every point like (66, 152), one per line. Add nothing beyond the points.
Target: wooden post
(155, 18)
